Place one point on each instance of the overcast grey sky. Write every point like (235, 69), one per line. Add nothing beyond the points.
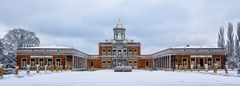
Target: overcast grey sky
(157, 24)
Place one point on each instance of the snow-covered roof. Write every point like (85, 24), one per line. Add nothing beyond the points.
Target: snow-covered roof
(193, 46)
(51, 46)
(51, 50)
(190, 51)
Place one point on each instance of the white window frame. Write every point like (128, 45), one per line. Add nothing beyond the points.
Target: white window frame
(129, 52)
(135, 52)
(218, 65)
(194, 61)
(103, 61)
(186, 61)
(119, 35)
(136, 61)
(48, 61)
(40, 62)
(56, 62)
(211, 62)
(25, 62)
(109, 52)
(114, 52)
(104, 52)
(32, 63)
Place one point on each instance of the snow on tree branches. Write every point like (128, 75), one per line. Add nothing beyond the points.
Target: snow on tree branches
(14, 39)
(237, 47)
(230, 46)
(221, 40)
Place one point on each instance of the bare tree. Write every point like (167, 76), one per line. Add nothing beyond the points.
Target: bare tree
(1, 52)
(221, 40)
(13, 40)
(230, 46)
(237, 51)
(237, 47)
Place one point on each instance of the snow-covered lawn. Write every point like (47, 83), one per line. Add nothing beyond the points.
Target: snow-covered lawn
(110, 78)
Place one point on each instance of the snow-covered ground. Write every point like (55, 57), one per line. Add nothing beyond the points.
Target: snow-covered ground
(110, 78)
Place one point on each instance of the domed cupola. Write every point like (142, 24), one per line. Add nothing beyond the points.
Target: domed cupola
(119, 31)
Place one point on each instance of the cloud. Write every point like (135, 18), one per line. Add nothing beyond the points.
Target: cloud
(157, 24)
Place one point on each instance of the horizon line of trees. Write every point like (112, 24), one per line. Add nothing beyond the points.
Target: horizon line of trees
(232, 45)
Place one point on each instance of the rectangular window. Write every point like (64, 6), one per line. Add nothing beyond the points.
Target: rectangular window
(58, 62)
(41, 61)
(218, 61)
(192, 61)
(130, 61)
(135, 52)
(104, 52)
(125, 52)
(109, 52)
(103, 62)
(49, 62)
(184, 61)
(119, 52)
(33, 62)
(114, 52)
(24, 62)
(130, 52)
(135, 61)
(209, 62)
(109, 61)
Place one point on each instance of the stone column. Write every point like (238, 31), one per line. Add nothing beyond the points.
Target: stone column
(16, 70)
(28, 69)
(161, 65)
(153, 63)
(167, 66)
(165, 62)
(160, 62)
(169, 62)
(1, 71)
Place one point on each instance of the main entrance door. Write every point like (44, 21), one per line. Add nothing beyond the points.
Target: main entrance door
(201, 61)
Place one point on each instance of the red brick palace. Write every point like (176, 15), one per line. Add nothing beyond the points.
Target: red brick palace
(119, 51)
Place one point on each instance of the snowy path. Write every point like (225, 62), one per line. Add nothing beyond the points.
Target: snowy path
(110, 78)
